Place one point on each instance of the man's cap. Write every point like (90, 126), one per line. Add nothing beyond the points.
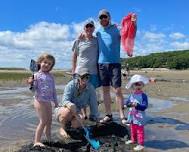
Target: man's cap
(83, 71)
(137, 78)
(89, 22)
(104, 12)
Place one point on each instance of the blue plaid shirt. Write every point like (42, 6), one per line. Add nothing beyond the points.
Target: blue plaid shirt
(81, 99)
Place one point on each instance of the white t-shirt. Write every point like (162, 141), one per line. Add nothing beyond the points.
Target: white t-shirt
(87, 52)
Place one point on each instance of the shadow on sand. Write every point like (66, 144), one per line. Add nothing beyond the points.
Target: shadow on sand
(166, 144)
(164, 120)
(179, 125)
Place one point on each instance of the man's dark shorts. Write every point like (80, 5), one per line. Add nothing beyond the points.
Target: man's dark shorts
(110, 74)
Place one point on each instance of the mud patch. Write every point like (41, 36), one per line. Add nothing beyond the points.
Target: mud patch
(112, 137)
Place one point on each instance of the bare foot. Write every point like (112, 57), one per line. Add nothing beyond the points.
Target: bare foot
(39, 144)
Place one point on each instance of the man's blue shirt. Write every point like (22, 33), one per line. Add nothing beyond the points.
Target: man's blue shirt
(109, 44)
(86, 98)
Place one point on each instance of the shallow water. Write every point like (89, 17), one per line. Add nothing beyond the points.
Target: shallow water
(18, 119)
(17, 116)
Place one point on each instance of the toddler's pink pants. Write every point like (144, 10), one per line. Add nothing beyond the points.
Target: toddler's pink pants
(137, 134)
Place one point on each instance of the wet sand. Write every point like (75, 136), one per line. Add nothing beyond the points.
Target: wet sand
(168, 116)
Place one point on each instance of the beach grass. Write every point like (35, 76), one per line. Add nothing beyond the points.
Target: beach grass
(19, 77)
(16, 76)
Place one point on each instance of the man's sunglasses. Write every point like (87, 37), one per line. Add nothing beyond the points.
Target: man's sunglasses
(89, 25)
(103, 16)
(85, 77)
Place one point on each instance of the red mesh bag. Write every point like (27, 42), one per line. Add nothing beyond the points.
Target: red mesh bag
(128, 33)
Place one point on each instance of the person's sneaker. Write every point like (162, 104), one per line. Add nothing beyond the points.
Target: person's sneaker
(107, 118)
(138, 148)
(128, 142)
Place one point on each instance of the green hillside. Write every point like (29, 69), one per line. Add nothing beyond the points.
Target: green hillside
(171, 60)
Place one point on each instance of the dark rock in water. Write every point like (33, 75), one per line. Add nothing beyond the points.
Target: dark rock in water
(111, 136)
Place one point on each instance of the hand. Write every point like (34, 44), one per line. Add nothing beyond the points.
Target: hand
(134, 104)
(72, 108)
(30, 80)
(129, 54)
(129, 104)
(81, 36)
(133, 17)
(55, 104)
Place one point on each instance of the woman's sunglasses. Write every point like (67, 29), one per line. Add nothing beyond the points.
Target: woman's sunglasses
(89, 25)
(103, 16)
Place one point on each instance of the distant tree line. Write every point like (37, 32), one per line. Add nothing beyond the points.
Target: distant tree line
(171, 60)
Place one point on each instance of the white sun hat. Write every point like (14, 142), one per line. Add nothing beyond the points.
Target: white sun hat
(137, 78)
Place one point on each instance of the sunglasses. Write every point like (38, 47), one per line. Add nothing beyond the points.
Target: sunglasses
(85, 77)
(138, 84)
(89, 25)
(103, 16)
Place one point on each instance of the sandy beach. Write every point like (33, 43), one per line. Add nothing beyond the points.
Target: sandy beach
(168, 116)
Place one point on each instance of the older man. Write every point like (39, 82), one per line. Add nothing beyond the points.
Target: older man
(78, 94)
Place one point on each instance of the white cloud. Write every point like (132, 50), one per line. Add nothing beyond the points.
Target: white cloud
(150, 42)
(151, 36)
(17, 48)
(54, 38)
(177, 35)
(180, 45)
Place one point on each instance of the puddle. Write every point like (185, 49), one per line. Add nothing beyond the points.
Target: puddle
(157, 105)
(183, 99)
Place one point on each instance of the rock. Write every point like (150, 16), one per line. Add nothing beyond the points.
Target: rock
(111, 136)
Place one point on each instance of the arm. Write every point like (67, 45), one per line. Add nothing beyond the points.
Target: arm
(144, 104)
(35, 82)
(54, 94)
(74, 62)
(74, 55)
(128, 102)
(68, 92)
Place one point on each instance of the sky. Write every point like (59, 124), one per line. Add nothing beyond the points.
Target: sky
(29, 28)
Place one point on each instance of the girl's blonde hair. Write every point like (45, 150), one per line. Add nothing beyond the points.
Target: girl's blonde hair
(48, 57)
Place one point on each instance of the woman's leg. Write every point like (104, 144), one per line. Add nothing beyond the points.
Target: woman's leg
(41, 112)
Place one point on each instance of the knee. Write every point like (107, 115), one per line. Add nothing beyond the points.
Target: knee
(63, 114)
(106, 90)
(43, 123)
(118, 92)
(61, 118)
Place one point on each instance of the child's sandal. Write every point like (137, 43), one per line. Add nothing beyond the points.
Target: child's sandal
(107, 118)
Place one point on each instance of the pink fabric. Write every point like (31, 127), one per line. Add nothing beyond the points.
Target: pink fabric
(137, 134)
(128, 33)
